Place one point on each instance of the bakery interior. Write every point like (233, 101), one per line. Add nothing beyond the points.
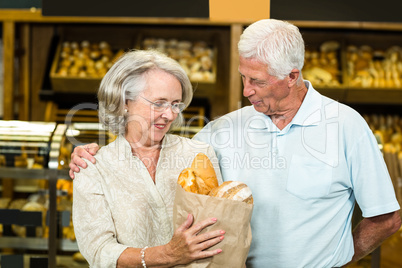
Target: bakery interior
(48, 97)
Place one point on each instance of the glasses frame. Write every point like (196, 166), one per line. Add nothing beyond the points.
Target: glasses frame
(161, 107)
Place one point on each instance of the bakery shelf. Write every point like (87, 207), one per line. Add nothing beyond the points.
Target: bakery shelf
(32, 243)
(383, 96)
(35, 31)
(19, 140)
(338, 93)
(374, 95)
(36, 243)
(24, 173)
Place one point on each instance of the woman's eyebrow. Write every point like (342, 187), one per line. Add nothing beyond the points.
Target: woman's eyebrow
(165, 99)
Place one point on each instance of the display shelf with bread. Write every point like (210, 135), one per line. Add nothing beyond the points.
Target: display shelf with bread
(33, 33)
(40, 219)
(79, 62)
(370, 68)
(374, 60)
(388, 131)
(20, 238)
(84, 55)
(199, 50)
(197, 57)
(323, 63)
(14, 133)
(25, 145)
(40, 260)
(374, 68)
(370, 65)
(324, 66)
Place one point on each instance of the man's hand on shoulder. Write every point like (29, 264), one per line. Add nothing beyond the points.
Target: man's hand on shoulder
(83, 151)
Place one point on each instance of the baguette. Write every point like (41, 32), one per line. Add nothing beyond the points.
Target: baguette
(200, 178)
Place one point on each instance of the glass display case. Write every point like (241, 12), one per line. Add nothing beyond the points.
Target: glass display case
(36, 200)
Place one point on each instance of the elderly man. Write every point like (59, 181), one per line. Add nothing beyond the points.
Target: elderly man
(308, 159)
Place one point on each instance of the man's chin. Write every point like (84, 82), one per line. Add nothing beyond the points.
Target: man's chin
(263, 110)
(259, 108)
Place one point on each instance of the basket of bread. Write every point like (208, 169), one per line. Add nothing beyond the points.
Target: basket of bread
(197, 57)
(231, 203)
(368, 67)
(79, 66)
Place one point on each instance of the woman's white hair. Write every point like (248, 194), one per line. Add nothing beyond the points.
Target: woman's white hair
(125, 80)
(276, 43)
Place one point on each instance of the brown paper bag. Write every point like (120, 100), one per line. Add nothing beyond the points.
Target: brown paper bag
(233, 217)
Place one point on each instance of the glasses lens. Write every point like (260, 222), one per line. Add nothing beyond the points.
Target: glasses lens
(160, 106)
(178, 107)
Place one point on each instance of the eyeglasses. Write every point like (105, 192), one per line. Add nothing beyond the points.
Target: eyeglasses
(161, 106)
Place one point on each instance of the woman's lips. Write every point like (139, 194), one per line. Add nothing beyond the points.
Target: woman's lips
(160, 126)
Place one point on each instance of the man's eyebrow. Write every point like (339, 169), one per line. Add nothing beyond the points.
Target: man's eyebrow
(254, 79)
(258, 80)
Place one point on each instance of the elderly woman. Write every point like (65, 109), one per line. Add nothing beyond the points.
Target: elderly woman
(123, 204)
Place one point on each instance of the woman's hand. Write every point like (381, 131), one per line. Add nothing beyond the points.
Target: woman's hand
(188, 245)
(83, 151)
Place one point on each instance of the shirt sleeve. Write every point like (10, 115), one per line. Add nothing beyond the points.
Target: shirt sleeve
(204, 134)
(93, 222)
(371, 181)
(215, 162)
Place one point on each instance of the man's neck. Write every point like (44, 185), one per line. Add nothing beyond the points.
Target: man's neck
(283, 118)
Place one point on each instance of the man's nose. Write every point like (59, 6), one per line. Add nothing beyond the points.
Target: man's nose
(248, 89)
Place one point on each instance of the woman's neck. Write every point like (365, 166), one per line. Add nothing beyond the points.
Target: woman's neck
(139, 144)
(148, 154)
(146, 150)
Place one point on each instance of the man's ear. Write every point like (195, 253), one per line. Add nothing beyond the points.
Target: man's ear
(293, 77)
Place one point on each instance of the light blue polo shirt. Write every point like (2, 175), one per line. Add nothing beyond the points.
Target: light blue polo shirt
(305, 179)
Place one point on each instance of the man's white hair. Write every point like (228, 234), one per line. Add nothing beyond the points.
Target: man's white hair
(276, 43)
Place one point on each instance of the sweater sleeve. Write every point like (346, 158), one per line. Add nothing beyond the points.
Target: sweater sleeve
(93, 223)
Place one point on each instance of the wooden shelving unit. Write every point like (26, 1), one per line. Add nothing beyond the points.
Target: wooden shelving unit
(27, 37)
(32, 33)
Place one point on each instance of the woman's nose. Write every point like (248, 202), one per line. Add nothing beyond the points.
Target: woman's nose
(169, 114)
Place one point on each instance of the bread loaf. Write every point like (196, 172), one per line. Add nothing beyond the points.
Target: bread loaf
(78, 257)
(233, 190)
(200, 178)
(205, 170)
(191, 182)
(31, 206)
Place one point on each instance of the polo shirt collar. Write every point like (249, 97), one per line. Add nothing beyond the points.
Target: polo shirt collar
(261, 121)
(309, 112)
